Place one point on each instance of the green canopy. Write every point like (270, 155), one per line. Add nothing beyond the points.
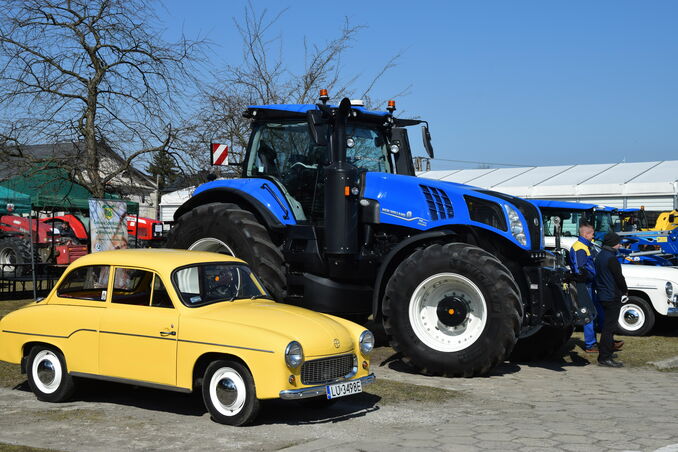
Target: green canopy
(20, 201)
(51, 189)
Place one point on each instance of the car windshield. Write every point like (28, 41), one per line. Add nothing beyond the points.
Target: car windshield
(208, 283)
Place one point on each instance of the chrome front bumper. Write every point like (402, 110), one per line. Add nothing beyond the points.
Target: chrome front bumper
(317, 391)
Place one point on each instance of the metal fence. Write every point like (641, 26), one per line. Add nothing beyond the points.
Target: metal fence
(16, 280)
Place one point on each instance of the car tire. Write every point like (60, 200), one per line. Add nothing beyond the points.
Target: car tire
(228, 229)
(229, 393)
(452, 310)
(541, 343)
(636, 317)
(48, 375)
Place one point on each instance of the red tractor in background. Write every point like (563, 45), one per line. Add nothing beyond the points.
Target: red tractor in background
(141, 232)
(50, 244)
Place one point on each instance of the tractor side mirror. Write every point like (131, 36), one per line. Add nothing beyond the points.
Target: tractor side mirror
(426, 136)
(316, 127)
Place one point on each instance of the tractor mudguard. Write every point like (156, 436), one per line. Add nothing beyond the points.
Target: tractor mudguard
(388, 263)
(261, 196)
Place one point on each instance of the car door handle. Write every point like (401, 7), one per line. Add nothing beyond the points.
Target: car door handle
(168, 333)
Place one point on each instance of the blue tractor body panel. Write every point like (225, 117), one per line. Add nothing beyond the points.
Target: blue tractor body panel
(265, 191)
(426, 204)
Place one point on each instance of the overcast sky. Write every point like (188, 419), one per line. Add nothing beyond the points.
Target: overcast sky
(515, 82)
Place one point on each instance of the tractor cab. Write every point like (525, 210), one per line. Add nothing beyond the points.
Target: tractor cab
(293, 146)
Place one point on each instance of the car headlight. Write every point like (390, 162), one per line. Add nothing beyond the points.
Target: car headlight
(294, 354)
(366, 342)
(516, 227)
(669, 289)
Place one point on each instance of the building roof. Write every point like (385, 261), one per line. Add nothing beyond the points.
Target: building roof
(580, 181)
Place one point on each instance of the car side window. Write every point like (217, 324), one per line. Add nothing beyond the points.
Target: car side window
(85, 283)
(160, 297)
(132, 286)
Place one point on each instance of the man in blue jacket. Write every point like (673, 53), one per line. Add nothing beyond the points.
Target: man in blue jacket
(582, 263)
(611, 287)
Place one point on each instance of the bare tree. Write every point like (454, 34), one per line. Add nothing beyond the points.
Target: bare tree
(91, 72)
(262, 76)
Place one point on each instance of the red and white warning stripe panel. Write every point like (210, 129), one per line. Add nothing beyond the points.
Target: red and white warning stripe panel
(219, 154)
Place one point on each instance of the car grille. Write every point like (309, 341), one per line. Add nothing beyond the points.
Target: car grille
(439, 204)
(325, 370)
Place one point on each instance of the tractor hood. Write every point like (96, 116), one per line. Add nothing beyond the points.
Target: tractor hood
(426, 204)
(267, 325)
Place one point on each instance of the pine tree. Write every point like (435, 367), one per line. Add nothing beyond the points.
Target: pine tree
(163, 165)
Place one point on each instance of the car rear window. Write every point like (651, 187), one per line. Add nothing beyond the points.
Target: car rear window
(85, 283)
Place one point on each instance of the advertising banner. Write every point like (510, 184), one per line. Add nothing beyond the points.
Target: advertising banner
(108, 225)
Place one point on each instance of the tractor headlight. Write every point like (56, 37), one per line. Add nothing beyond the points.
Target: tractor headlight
(669, 289)
(516, 225)
(294, 354)
(366, 342)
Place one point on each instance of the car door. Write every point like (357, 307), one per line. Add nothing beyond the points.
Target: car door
(139, 330)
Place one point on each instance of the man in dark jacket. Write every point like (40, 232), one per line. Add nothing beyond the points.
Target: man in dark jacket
(611, 286)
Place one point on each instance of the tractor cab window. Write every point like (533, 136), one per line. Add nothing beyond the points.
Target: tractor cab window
(366, 149)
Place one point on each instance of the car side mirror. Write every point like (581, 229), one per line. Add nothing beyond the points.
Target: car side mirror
(426, 136)
(672, 218)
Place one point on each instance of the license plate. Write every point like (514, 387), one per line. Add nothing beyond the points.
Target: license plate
(344, 389)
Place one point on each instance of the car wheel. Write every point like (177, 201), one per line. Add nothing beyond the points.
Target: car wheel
(48, 376)
(452, 310)
(636, 317)
(229, 393)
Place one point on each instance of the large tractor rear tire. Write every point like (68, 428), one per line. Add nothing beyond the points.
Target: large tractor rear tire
(13, 251)
(452, 310)
(541, 343)
(228, 229)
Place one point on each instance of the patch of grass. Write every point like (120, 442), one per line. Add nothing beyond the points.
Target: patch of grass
(10, 374)
(79, 414)
(395, 392)
(7, 306)
(15, 448)
(637, 351)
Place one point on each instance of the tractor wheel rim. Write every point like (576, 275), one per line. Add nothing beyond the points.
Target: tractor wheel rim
(448, 312)
(631, 317)
(213, 245)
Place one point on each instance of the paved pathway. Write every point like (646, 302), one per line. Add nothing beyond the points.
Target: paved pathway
(572, 408)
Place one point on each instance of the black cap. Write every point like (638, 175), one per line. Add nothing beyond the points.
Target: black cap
(611, 239)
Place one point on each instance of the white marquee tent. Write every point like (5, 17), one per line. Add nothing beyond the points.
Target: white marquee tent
(650, 184)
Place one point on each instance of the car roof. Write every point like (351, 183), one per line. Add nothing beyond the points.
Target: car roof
(160, 259)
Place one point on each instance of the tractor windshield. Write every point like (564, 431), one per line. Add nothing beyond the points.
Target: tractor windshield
(285, 152)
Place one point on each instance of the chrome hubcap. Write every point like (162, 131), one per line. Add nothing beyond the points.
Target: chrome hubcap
(227, 392)
(631, 317)
(46, 372)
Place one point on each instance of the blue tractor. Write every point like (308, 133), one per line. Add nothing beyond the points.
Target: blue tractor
(330, 215)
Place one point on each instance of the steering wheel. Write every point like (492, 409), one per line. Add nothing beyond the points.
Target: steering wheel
(226, 291)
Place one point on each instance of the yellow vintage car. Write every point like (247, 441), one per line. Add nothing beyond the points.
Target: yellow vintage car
(183, 321)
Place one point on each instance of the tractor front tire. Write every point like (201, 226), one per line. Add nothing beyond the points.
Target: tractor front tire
(228, 229)
(452, 310)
